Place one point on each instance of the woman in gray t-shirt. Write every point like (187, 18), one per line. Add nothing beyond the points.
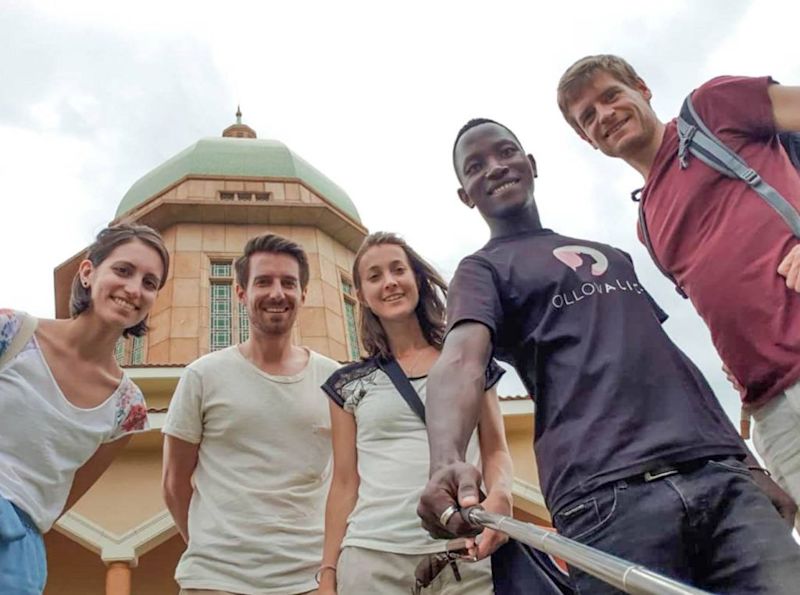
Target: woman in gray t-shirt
(373, 537)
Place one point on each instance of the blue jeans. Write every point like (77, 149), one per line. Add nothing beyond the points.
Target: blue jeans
(711, 527)
(23, 565)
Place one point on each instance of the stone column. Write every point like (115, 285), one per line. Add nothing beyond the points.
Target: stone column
(118, 578)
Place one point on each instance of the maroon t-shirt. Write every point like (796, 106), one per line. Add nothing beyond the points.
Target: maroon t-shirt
(723, 243)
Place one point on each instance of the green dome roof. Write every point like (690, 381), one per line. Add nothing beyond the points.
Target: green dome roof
(246, 157)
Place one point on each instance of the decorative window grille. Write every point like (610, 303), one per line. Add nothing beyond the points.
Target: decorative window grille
(349, 297)
(228, 323)
(137, 352)
(120, 351)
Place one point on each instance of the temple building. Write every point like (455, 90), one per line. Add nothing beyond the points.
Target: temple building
(207, 201)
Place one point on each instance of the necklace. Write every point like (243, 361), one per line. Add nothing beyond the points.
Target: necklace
(411, 368)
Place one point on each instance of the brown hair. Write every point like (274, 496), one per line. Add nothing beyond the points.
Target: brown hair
(106, 242)
(271, 244)
(430, 309)
(581, 72)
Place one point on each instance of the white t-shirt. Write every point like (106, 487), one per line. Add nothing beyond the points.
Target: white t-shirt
(393, 459)
(256, 518)
(45, 439)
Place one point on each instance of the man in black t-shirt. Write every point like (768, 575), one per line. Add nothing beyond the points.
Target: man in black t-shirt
(635, 454)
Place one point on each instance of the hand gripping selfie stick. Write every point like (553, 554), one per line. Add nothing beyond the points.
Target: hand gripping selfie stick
(615, 571)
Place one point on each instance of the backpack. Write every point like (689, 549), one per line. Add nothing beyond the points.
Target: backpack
(695, 138)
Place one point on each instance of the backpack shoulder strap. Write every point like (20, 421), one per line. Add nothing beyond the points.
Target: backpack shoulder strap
(403, 386)
(21, 338)
(696, 138)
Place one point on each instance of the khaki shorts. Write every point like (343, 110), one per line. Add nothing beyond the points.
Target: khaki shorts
(367, 572)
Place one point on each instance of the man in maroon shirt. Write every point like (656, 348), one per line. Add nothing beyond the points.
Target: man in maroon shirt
(724, 246)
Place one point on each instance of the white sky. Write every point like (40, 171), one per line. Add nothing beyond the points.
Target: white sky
(95, 94)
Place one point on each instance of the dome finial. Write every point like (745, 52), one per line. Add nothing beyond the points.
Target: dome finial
(239, 130)
(238, 114)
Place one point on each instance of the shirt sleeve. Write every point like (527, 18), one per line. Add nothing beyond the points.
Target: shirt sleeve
(473, 296)
(9, 327)
(736, 105)
(185, 413)
(333, 387)
(493, 374)
(131, 416)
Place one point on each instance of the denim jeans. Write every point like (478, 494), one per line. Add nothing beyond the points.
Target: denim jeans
(711, 527)
(23, 565)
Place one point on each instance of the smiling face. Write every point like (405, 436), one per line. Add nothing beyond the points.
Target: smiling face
(495, 174)
(387, 283)
(273, 295)
(614, 116)
(123, 287)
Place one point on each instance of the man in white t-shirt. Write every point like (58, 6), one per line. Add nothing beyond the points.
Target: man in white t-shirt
(247, 443)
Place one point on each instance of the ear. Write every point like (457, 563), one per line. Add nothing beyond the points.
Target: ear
(462, 196)
(85, 272)
(303, 294)
(643, 89)
(533, 165)
(241, 294)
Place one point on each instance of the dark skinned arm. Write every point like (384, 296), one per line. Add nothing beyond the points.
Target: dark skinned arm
(456, 388)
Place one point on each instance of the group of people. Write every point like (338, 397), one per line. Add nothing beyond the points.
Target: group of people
(635, 455)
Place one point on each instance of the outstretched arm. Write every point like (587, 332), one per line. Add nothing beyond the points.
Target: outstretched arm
(455, 395)
(91, 470)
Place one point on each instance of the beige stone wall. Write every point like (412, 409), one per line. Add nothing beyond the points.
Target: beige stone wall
(180, 319)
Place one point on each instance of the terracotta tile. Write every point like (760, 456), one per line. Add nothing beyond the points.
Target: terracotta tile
(292, 190)
(314, 297)
(305, 236)
(338, 351)
(277, 190)
(158, 353)
(335, 326)
(305, 195)
(183, 351)
(211, 189)
(343, 257)
(187, 265)
(234, 185)
(254, 186)
(313, 267)
(325, 245)
(195, 189)
(182, 191)
(328, 271)
(189, 237)
(186, 293)
(332, 298)
(235, 238)
(163, 299)
(159, 327)
(312, 322)
(318, 344)
(214, 238)
(185, 322)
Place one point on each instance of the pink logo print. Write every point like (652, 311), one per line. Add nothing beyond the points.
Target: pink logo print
(572, 257)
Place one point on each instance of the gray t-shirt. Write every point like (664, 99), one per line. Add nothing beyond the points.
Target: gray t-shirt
(263, 468)
(393, 459)
(614, 395)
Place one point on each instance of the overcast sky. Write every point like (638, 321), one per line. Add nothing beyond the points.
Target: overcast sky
(96, 94)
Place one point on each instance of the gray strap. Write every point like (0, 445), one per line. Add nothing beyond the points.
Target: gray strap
(703, 144)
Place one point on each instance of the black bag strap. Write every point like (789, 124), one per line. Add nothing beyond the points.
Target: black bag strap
(403, 385)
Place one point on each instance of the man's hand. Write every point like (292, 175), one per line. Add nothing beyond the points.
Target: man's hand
(790, 269)
(780, 499)
(456, 484)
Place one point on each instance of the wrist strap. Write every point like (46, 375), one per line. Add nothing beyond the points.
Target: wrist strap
(762, 469)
